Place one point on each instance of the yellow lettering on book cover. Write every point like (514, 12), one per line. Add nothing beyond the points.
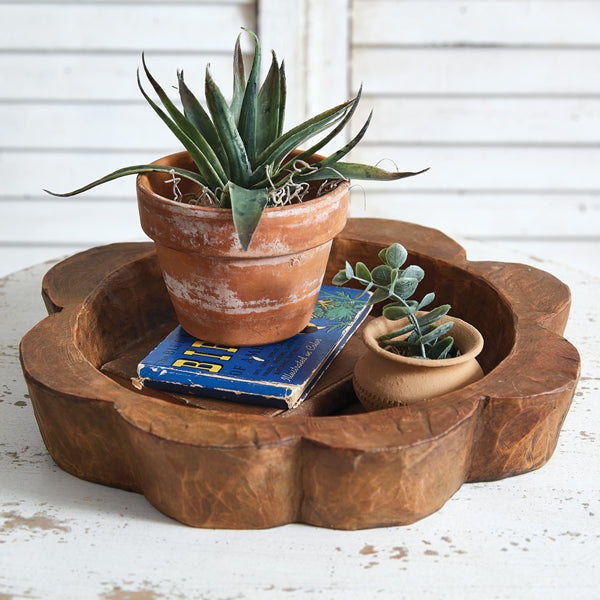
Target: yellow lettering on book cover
(193, 353)
(194, 364)
(201, 344)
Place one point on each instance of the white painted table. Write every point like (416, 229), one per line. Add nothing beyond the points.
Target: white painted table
(532, 536)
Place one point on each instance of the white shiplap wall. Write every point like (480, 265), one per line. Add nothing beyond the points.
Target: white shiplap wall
(70, 109)
(501, 98)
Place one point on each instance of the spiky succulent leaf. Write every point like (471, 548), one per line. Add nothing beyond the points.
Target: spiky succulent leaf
(346, 170)
(134, 170)
(282, 98)
(247, 207)
(281, 147)
(334, 158)
(188, 129)
(239, 81)
(198, 117)
(242, 145)
(228, 133)
(247, 121)
(330, 136)
(204, 165)
(267, 110)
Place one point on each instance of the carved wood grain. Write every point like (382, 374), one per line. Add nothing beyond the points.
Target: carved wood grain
(216, 468)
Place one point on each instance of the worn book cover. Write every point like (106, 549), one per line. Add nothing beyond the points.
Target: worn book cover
(279, 375)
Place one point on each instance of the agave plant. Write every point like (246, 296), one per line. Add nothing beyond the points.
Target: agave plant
(243, 157)
(424, 336)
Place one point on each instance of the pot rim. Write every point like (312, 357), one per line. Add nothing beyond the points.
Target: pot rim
(143, 183)
(470, 345)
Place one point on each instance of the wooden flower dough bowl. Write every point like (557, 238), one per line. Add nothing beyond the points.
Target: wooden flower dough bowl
(211, 464)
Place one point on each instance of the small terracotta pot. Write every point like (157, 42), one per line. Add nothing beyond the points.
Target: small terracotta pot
(383, 379)
(222, 294)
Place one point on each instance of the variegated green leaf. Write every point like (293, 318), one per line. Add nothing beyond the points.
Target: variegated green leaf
(345, 170)
(267, 110)
(280, 148)
(239, 81)
(282, 98)
(198, 117)
(330, 136)
(247, 121)
(247, 207)
(334, 158)
(230, 138)
(135, 170)
(204, 165)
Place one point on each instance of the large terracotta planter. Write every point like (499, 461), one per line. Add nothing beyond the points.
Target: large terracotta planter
(383, 379)
(221, 293)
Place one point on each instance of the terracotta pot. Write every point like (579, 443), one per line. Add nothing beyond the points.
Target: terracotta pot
(383, 379)
(222, 294)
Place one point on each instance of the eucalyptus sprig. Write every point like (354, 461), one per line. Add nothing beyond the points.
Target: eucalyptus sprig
(243, 157)
(423, 337)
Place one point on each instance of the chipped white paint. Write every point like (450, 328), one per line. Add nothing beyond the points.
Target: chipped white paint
(530, 537)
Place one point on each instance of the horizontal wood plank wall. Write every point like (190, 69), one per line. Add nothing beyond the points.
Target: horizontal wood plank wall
(501, 98)
(70, 109)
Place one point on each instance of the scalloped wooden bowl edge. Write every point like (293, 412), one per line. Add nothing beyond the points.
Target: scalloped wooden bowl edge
(390, 467)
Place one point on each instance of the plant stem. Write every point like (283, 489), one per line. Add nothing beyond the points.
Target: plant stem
(411, 317)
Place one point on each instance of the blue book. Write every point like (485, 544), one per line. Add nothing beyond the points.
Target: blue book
(279, 375)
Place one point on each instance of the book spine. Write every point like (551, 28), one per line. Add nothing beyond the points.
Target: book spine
(334, 352)
(255, 392)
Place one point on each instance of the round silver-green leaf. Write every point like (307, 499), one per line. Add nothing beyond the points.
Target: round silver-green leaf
(396, 255)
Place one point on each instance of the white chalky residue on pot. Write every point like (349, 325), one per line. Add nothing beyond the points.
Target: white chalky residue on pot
(200, 233)
(216, 296)
(200, 228)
